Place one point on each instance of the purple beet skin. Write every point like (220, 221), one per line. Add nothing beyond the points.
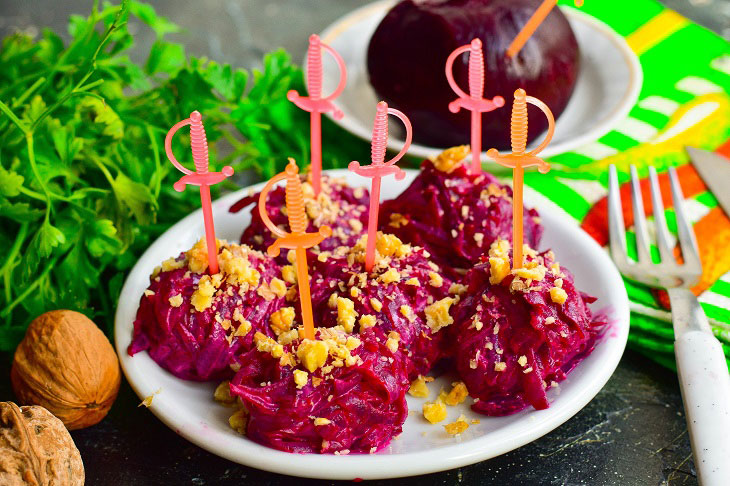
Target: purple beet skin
(453, 214)
(519, 333)
(408, 51)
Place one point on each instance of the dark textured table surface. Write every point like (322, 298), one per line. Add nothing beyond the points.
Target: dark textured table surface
(632, 433)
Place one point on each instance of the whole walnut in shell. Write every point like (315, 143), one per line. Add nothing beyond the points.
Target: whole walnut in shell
(36, 449)
(67, 365)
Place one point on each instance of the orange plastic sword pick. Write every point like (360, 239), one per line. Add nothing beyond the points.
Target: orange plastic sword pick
(532, 24)
(519, 159)
(298, 240)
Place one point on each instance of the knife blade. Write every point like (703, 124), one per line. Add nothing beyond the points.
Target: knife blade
(714, 169)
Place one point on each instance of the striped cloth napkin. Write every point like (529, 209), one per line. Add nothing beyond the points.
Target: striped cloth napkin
(684, 101)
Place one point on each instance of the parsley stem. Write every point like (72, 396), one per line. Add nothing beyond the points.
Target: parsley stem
(7, 268)
(24, 96)
(5, 109)
(30, 288)
(156, 181)
(34, 167)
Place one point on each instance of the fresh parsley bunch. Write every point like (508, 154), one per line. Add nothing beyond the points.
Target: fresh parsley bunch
(85, 186)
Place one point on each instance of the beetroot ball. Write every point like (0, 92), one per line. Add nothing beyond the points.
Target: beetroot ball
(408, 52)
(193, 324)
(339, 206)
(341, 394)
(454, 215)
(519, 332)
(405, 296)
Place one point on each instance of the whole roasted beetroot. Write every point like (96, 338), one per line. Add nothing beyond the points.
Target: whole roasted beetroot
(408, 51)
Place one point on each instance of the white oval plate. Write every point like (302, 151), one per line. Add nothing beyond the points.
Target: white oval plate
(188, 408)
(608, 84)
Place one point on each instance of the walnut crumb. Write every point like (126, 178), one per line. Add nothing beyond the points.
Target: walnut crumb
(434, 412)
(418, 388)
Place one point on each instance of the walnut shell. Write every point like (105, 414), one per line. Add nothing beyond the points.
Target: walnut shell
(67, 365)
(36, 449)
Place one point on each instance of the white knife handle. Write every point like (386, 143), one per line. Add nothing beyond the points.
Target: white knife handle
(705, 385)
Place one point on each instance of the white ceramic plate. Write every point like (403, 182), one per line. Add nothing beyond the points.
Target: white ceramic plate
(188, 408)
(607, 88)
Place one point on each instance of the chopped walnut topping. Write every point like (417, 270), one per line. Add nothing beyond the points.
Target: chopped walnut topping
(366, 321)
(458, 427)
(451, 158)
(312, 354)
(407, 312)
(437, 314)
(202, 298)
(176, 300)
(418, 387)
(149, 293)
(282, 320)
(346, 313)
(457, 289)
(392, 342)
(238, 420)
(267, 345)
(522, 360)
(479, 239)
(434, 412)
(322, 421)
(278, 287)
(500, 366)
(550, 320)
(352, 343)
(222, 394)
(559, 283)
(397, 220)
(289, 274)
(435, 280)
(376, 304)
(355, 224)
(390, 276)
(457, 394)
(535, 273)
(173, 264)
(301, 378)
(244, 326)
(558, 295)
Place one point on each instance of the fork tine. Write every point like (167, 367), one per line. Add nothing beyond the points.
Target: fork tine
(662, 232)
(617, 233)
(642, 235)
(687, 241)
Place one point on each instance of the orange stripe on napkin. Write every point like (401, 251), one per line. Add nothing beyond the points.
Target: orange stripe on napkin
(595, 222)
(713, 239)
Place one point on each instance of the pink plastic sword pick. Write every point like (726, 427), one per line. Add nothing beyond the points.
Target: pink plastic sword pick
(379, 168)
(474, 101)
(201, 177)
(315, 104)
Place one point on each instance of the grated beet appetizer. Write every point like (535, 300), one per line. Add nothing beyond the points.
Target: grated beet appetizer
(453, 214)
(340, 394)
(405, 296)
(193, 324)
(339, 206)
(519, 332)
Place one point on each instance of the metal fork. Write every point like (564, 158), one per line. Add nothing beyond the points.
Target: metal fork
(702, 370)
